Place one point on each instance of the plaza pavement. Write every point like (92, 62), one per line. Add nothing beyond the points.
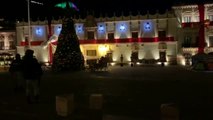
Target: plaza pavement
(130, 93)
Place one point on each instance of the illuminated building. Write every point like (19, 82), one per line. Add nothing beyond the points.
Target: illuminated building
(7, 42)
(113, 36)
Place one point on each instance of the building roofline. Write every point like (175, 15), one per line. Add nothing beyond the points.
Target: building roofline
(191, 6)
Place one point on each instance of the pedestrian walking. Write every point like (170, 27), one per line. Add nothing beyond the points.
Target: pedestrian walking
(32, 73)
(16, 74)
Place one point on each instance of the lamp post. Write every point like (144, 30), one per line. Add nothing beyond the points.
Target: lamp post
(28, 17)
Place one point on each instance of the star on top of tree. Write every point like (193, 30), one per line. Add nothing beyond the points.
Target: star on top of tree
(69, 8)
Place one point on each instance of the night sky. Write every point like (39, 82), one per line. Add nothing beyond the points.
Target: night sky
(17, 9)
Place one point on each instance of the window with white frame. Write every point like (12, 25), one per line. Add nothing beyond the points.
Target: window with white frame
(1, 37)
(1, 42)
(11, 39)
(210, 41)
(12, 45)
(196, 19)
(187, 19)
(1, 45)
(210, 17)
(91, 53)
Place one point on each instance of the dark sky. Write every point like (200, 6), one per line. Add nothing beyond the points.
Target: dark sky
(17, 9)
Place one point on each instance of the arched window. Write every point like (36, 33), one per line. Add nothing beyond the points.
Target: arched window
(1, 42)
(1, 37)
(11, 37)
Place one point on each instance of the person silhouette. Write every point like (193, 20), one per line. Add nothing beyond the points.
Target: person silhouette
(121, 59)
(15, 71)
(32, 73)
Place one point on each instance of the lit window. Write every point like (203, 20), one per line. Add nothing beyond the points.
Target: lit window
(187, 19)
(196, 19)
(59, 29)
(122, 27)
(101, 28)
(38, 31)
(79, 29)
(147, 26)
(91, 53)
(211, 17)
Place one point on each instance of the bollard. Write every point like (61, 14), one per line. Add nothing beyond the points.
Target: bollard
(210, 66)
(64, 105)
(96, 107)
(169, 112)
(96, 101)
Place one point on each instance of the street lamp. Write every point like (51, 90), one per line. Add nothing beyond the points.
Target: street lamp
(28, 17)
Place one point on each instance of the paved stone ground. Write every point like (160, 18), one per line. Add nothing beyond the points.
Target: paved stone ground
(130, 93)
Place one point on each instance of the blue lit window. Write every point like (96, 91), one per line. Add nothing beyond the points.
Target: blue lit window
(38, 31)
(58, 29)
(147, 26)
(101, 28)
(122, 27)
(79, 29)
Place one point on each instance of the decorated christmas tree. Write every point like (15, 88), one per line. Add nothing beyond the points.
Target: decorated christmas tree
(68, 56)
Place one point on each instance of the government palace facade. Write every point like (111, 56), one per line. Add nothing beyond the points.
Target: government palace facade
(174, 33)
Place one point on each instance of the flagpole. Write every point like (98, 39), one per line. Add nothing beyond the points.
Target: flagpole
(29, 26)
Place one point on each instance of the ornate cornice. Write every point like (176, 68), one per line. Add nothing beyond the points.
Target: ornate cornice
(190, 6)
